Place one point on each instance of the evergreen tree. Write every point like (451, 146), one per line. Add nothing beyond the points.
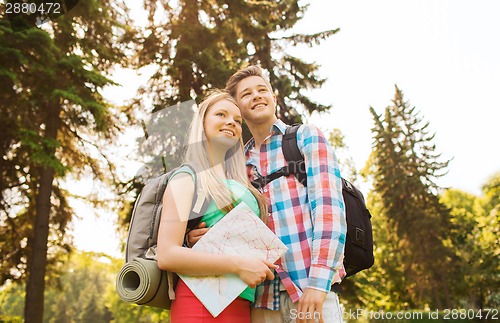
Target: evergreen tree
(197, 45)
(50, 78)
(406, 166)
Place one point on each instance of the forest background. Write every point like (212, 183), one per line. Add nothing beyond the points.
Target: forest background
(67, 125)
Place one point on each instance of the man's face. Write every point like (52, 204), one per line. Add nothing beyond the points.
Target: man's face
(255, 100)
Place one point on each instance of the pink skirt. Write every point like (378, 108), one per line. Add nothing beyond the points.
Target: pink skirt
(186, 308)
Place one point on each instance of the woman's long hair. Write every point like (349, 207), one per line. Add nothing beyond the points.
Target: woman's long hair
(234, 160)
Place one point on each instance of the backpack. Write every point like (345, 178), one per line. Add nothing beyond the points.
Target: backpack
(358, 253)
(140, 280)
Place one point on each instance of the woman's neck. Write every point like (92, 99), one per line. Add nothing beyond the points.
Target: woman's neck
(217, 157)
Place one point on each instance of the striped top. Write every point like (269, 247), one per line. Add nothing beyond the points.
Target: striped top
(309, 220)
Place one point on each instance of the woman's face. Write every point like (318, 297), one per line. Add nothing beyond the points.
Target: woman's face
(222, 123)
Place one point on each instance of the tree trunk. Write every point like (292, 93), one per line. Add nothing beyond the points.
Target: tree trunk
(33, 307)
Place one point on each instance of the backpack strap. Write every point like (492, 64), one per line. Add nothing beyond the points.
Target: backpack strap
(293, 156)
(200, 201)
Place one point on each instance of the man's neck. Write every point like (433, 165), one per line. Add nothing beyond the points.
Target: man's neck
(260, 131)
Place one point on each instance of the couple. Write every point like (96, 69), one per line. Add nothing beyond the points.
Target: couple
(309, 220)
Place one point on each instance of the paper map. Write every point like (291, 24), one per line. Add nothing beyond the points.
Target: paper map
(240, 232)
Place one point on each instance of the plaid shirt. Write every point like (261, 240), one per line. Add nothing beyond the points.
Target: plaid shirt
(309, 220)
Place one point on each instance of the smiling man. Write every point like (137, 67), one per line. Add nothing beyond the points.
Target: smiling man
(310, 219)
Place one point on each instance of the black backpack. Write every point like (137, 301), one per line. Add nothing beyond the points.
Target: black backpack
(358, 253)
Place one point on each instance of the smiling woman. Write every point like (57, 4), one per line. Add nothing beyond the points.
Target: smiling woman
(447, 69)
(215, 148)
(223, 125)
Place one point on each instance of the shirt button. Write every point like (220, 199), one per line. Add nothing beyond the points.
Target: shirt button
(265, 190)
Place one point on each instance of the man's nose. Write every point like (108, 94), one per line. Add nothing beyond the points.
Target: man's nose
(256, 95)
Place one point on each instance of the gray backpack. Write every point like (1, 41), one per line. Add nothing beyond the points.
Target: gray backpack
(140, 280)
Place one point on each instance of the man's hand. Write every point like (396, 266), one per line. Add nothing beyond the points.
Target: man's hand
(194, 235)
(310, 306)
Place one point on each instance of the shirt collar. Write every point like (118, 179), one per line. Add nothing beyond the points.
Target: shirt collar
(277, 126)
(280, 125)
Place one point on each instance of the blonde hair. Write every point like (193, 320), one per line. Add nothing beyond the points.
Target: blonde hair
(234, 161)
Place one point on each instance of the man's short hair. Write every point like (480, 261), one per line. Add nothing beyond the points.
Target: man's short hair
(252, 70)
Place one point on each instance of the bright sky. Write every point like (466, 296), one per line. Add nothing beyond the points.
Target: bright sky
(444, 56)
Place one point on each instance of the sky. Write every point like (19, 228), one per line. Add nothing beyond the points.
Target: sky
(443, 55)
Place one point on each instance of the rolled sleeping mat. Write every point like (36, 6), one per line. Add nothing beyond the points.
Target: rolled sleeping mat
(140, 281)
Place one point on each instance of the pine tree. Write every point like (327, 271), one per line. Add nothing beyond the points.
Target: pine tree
(195, 46)
(199, 44)
(406, 166)
(50, 78)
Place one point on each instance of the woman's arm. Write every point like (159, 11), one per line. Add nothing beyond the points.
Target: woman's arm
(173, 257)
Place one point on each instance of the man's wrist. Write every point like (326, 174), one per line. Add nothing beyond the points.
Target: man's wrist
(320, 277)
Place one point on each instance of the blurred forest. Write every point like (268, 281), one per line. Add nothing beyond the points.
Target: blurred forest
(435, 248)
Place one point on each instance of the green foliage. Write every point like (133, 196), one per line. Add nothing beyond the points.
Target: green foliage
(475, 238)
(84, 292)
(195, 46)
(12, 301)
(53, 112)
(346, 163)
(198, 45)
(431, 250)
(380, 287)
(405, 167)
(41, 150)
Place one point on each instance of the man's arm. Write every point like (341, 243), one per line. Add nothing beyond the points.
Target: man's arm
(324, 187)
(195, 234)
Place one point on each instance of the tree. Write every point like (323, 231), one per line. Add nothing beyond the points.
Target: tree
(488, 295)
(346, 162)
(405, 167)
(198, 45)
(475, 223)
(84, 292)
(195, 46)
(52, 77)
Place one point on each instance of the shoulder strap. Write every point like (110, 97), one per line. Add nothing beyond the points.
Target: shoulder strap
(200, 201)
(293, 157)
(292, 154)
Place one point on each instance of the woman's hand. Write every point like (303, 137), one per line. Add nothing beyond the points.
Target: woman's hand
(254, 271)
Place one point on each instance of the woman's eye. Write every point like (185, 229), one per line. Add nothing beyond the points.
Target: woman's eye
(238, 122)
